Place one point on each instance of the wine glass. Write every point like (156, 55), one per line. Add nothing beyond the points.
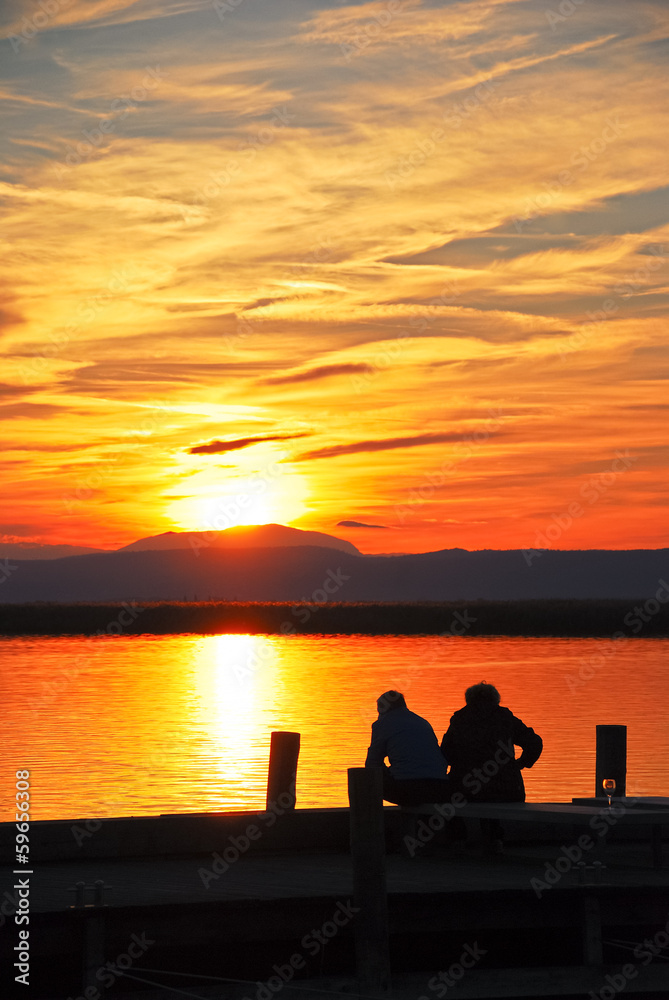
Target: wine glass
(609, 787)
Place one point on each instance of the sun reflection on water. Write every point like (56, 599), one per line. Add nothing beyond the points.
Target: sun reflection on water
(182, 723)
(235, 684)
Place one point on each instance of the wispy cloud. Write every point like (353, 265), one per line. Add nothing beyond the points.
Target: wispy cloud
(324, 371)
(383, 444)
(360, 524)
(98, 13)
(380, 222)
(220, 447)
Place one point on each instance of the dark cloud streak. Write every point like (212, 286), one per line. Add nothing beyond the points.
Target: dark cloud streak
(385, 444)
(361, 524)
(324, 371)
(220, 447)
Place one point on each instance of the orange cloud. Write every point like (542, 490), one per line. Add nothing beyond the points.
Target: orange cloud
(461, 221)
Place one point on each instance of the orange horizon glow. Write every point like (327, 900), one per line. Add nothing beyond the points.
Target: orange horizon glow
(291, 268)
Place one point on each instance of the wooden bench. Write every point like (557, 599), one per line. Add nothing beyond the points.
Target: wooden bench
(597, 818)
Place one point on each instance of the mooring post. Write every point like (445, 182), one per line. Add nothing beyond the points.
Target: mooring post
(611, 759)
(368, 851)
(592, 931)
(282, 775)
(92, 925)
(94, 947)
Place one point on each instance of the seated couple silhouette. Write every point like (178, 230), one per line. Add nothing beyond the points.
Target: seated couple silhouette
(476, 756)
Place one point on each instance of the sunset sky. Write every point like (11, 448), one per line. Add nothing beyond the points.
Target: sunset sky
(404, 263)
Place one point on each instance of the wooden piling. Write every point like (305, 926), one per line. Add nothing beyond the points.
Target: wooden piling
(92, 920)
(592, 931)
(611, 758)
(94, 947)
(282, 775)
(368, 852)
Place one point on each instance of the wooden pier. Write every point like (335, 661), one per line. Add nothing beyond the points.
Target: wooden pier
(353, 902)
(245, 917)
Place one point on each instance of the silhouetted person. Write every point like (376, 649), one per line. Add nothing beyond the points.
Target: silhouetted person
(417, 771)
(479, 746)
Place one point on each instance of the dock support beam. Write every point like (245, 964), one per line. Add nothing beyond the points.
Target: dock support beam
(592, 931)
(611, 759)
(92, 921)
(368, 851)
(282, 776)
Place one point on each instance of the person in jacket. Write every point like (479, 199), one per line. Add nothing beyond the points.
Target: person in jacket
(417, 771)
(480, 746)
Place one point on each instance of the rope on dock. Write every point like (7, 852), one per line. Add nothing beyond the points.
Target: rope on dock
(242, 982)
(632, 946)
(161, 986)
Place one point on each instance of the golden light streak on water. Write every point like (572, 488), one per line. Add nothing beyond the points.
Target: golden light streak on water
(146, 725)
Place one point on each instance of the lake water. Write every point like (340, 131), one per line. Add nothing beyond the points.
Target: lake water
(142, 725)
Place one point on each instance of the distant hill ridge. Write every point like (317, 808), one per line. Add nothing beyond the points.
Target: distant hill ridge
(245, 536)
(241, 536)
(321, 573)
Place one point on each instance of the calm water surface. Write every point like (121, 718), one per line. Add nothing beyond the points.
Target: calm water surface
(142, 725)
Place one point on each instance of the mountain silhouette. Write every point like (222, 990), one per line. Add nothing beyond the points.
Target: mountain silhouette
(18, 550)
(307, 573)
(241, 536)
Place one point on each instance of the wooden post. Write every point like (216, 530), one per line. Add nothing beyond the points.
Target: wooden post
(368, 851)
(282, 775)
(94, 947)
(611, 759)
(656, 844)
(91, 917)
(592, 931)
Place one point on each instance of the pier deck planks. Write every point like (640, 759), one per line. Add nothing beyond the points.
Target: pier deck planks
(156, 881)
